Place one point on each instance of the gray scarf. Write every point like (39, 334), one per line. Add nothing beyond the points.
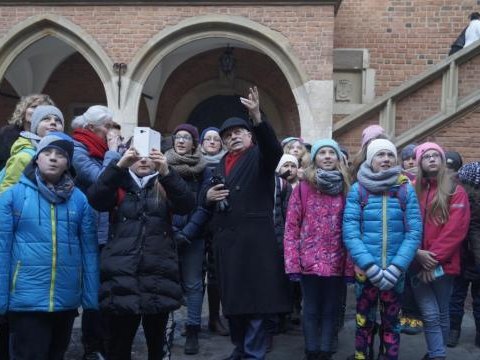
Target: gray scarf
(58, 193)
(213, 159)
(329, 182)
(188, 165)
(378, 182)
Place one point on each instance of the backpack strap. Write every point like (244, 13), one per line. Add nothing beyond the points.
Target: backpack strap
(364, 193)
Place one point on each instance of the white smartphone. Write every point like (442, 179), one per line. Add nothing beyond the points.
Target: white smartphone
(145, 139)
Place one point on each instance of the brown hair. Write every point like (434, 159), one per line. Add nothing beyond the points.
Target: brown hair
(361, 156)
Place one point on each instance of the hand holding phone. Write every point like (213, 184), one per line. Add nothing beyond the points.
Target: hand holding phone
(145, 140)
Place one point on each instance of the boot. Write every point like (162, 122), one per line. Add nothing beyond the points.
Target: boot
(215, 323)
(453, 338)
(312, 355)
(191, 342)
(455, 330)
(477, 335)
(324, 355)
(269, 342)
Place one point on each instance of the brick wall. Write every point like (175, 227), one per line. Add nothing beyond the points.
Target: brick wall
(403, 37)
(123, 30)
(252, 67)
(74, 82)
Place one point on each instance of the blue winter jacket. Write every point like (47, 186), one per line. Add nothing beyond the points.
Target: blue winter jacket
(48, 253)
(88, 169)
(380, 236)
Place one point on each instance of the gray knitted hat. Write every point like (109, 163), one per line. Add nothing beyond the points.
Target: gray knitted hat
(41, 112)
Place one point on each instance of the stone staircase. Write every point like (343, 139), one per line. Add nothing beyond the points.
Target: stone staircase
(446, 92)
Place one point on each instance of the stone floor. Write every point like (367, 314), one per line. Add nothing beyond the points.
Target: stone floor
(289, 346)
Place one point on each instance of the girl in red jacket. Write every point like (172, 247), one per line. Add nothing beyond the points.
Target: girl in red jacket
(446, 215)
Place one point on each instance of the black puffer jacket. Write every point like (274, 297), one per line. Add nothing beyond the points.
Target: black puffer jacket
(139, 264)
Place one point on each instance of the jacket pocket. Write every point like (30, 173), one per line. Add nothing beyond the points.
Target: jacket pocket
(15, 275)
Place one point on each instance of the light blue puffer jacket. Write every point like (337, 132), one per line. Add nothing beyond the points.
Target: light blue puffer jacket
(381, 237)
(88, 169)
(48, 253)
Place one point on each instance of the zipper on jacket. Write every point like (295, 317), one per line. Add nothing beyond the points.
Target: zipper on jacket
(54, 258)
(385, 231)
(15, 275)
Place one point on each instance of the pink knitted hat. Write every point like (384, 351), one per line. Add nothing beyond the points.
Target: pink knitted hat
(422, 148)
(371, 132)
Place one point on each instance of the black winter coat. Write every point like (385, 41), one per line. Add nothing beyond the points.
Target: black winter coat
(8, 135)
(470, 260)
(139, 265)
(250, 272)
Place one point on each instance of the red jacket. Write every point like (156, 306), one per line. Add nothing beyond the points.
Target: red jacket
(445, 240)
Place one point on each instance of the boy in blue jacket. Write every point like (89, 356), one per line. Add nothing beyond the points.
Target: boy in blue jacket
(48, 253)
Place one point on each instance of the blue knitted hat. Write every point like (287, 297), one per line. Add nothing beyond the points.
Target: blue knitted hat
(59, 141)
(204, 132)
(324, 143)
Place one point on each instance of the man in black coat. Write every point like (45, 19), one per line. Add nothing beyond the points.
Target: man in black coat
(250, 272)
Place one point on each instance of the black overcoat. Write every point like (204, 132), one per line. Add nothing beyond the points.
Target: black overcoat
(139, 265)
(250, 272)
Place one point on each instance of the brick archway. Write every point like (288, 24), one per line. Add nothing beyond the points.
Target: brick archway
(38, 27)
(259, 37)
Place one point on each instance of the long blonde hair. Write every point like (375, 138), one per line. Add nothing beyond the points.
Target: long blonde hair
(18, 116)
(438, 211)
(304, 159)
(310, 174)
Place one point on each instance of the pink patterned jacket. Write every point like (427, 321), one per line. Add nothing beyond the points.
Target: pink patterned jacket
(313, 236)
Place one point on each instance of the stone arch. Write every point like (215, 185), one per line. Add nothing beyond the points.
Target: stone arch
(192, 30)
(204, 91)
(27, 32)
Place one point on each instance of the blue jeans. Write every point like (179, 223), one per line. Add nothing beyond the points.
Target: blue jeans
(249, 336)
(433, 300)
(321, 299)
(191, 268)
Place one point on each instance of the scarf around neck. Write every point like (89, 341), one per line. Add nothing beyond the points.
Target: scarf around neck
(213, 159)
(97, 147)
(329, 182)
(142, 181)
(378, 182)
(58, 193)
(188, 165)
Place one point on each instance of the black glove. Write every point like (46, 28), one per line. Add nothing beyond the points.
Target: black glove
(181, 240)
